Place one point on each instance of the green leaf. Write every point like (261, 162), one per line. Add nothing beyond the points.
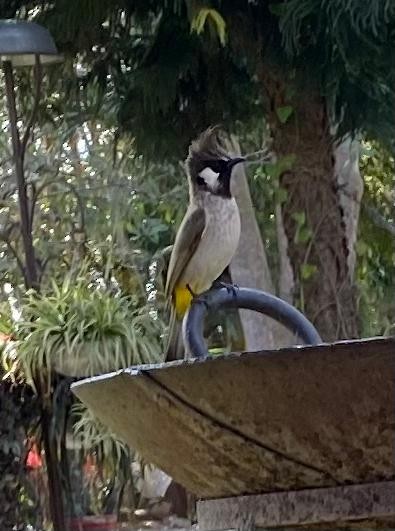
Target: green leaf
(307, 271)
(304, 235)
(285, 163)
(362, 248)
(199, 21)
(273, 170)
(299, 217)
(217, 351)
(283, 113)
(281, 195)
(277, 9)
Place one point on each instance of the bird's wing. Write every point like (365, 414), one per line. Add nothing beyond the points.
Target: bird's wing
(187, 240)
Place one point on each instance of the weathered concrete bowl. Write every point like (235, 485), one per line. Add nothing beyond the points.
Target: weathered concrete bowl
(260, 422)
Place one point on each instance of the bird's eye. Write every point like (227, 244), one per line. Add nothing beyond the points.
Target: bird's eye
(216, 166)
(200, 181)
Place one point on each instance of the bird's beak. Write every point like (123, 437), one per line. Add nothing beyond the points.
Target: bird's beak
(235, 161)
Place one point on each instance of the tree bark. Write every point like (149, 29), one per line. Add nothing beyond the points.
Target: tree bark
(350, 190)
(313, 216)
(350, 186)
(286, 282)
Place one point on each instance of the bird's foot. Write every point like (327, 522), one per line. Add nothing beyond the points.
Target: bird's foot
(191, 291)
(200, 299)
(230, 288)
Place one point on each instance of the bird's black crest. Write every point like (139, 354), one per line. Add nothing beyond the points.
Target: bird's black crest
(208, 146)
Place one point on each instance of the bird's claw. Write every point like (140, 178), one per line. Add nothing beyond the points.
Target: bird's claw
(200, 299)
(230, 288)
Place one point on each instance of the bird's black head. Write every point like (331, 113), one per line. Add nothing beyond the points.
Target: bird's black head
(209, 164)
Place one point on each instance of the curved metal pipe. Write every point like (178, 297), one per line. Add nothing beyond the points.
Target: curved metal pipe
(249, 299)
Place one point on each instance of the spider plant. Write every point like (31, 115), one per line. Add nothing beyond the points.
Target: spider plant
(113, 461)
(82, 329)
(92, 434)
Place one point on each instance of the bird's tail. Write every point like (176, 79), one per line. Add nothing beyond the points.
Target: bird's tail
(175, 346)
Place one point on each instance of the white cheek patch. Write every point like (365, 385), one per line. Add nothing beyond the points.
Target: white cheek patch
(211, 177)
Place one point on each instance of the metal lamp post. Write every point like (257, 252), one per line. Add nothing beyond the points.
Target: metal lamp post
(24, 44)
(27, 44)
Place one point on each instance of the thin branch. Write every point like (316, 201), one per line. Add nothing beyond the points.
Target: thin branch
(262, 155)
(104, 187)
(5, 161)
(23, 200)
(45, 263)
(17, 258)
(71, 188)
(13, 251)
(81, 207)
(379, 220)
(36, 101)
(35, 195)
(45, 184)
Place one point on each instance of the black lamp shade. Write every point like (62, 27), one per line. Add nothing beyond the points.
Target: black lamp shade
(21, 41)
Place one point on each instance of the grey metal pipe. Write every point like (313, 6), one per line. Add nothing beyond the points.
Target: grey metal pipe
(249, 299)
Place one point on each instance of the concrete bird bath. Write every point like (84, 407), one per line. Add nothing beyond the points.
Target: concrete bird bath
(296, 436)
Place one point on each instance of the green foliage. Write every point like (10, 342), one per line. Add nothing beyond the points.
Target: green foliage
(166, 83)
(112, 462)
(155, 73)
(275, 169)
(95, 200)
(93, 197)
(93, 435)
(5, 320)
(303, 232)
(307, 271)
(17, 414)
(348, 48)
(375, 246)
(80, 328)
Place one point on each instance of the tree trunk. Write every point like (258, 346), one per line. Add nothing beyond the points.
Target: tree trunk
(350, 185)
(313, 217)
(249, 267)
(350, 190)
(286, 281)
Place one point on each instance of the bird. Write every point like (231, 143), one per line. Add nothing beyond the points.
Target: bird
(208, 236)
